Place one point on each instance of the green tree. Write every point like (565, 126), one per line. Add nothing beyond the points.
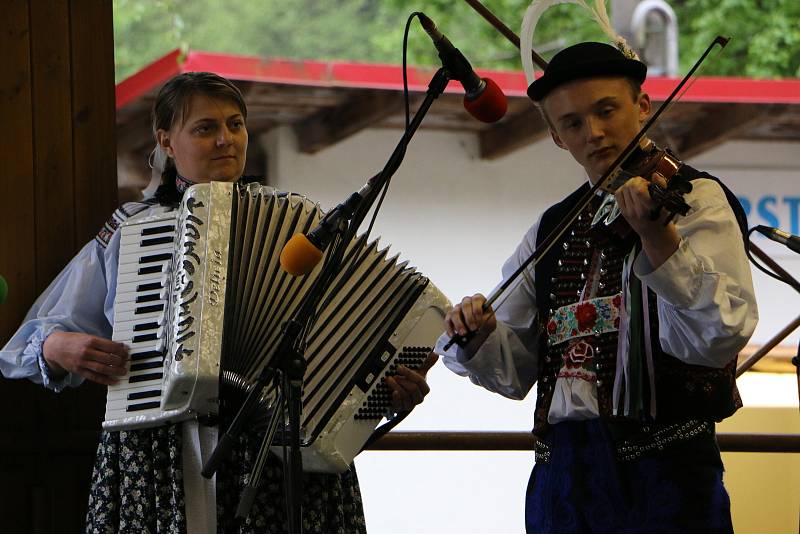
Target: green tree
(766, 36)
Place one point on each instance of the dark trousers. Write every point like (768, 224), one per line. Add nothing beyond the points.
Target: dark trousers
(584, 488)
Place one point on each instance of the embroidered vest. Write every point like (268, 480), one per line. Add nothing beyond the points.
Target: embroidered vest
(683, 391)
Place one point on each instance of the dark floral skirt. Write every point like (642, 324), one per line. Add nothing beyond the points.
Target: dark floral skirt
(137, 487)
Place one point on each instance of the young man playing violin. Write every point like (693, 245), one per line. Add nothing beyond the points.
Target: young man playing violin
(632, 342)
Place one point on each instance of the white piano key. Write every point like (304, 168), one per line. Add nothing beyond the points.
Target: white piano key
(130, 281)
(134, 268)
(141, 297)
(136, 309)
(146, 257)
(157, 316)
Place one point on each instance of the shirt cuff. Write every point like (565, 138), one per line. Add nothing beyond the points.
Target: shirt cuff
(36, 347)
(677, 280)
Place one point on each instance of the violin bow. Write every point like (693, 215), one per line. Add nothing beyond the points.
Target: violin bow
(584, 201)
(507, 32)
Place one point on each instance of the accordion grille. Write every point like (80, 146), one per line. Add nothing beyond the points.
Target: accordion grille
(363, 305)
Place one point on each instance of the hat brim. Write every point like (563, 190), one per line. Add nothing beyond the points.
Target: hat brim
(629, 68)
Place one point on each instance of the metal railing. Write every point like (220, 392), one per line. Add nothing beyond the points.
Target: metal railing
(524, 441)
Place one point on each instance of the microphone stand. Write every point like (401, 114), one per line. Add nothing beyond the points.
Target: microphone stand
(289, 364)
(779, 273)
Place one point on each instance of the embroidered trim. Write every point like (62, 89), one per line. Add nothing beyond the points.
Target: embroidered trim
(182, 184)
(582, 375)
(578, 361)
(662, 438)
(119, 216)
(594, 316)
(541, 451)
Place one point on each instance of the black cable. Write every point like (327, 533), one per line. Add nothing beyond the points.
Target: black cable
(407, 102)
(763, 268)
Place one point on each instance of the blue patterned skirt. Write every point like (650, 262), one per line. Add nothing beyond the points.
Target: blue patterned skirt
(584, 488)
(137, 487)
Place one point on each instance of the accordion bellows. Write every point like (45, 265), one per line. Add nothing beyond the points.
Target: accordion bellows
(201, 300)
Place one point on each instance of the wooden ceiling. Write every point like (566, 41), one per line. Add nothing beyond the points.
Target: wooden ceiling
(324, 114)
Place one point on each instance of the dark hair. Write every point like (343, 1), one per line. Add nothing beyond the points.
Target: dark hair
(172, 105)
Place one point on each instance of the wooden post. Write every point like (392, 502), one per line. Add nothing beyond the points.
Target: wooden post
(57, 187)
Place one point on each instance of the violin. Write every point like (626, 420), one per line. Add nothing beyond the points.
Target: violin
(646, 160)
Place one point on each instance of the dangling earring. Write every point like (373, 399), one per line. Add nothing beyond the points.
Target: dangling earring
(152, 156)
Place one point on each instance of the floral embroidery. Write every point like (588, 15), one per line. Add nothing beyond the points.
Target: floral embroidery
(578, 361)
(182, 184)
(594, 316)
(586, 314)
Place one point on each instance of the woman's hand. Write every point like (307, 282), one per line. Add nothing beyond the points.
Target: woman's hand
(408, 386)
(94, 358)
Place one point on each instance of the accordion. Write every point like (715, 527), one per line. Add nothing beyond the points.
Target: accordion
(201, 301)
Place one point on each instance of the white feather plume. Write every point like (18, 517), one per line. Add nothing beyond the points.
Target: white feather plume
(534, 13)
(529, 22)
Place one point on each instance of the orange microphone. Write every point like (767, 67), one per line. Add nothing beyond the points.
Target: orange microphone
(304, 251)
(299, 256)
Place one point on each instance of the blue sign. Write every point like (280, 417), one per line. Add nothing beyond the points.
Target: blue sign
(770, 210)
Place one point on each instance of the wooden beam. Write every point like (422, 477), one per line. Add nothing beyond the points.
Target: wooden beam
(17, 187)
(513, 133)
(719, 123)
(94, 143)
(52, 139)
(330, 126)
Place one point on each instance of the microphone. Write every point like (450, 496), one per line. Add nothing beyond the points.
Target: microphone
(304, 251)
(483, 98)
(3, 290)
(791, 241)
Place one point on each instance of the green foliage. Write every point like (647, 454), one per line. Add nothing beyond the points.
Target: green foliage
(766, 36)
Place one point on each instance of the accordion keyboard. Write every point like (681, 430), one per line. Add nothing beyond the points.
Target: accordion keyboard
(140, 309)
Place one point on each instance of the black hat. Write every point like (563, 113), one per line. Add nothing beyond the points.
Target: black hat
(585, 60)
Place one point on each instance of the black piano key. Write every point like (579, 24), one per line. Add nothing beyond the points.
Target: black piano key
(150, 270)
(145, 378)
(149, 309)
(144, 394)
(144, 337)
(143, 406)
(146, 365)
(148, 298)
(145, 326)
(152, 286)
(155, 241)
(158, 230)
(152, 258)
(145, 355)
